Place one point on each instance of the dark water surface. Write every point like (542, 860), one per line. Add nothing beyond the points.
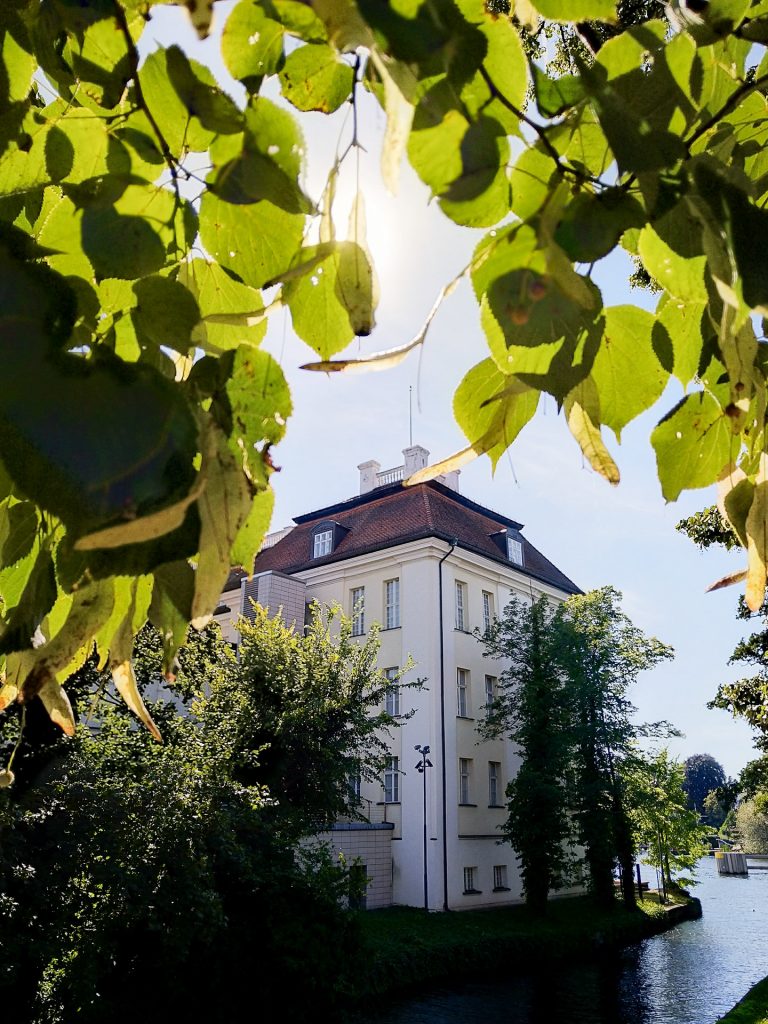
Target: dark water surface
(692, 974)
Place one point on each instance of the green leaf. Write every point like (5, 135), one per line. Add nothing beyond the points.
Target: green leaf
(626, 370)
(577, 10)
(217, 293)
(260, 404)
(18, 60)
(171, 607)
(480, 195)
(314, 78)
(592, 225)
(251, 43)
(165, 312)
(490, 406)
(185, 102)
(693, 443)
(92, 477)
(531, 180)
(744, 225)
(334, 302)
(505, 61)
(672, 254)
(300, 20)
(253, 530)
(18, 529)
(556, 95)
(255, 242)
(683, 323)
(36, 600)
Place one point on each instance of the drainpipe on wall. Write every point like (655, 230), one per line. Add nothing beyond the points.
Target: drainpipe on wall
(454, 542)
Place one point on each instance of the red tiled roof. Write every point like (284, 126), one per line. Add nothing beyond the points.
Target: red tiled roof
(395, 515)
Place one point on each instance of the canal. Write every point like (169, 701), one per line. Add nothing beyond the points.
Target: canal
(692, 974)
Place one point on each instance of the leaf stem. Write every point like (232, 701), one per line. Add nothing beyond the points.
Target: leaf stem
(730, 104)
(565, 169)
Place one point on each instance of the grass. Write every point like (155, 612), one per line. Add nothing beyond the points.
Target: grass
(406, 948)
(752, 1009)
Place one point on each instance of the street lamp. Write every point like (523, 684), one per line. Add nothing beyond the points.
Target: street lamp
(421, 768)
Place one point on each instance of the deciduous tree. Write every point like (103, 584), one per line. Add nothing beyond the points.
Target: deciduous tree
(137, 411)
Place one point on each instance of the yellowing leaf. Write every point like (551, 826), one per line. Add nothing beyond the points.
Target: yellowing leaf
(757, 540)
(583, 423)
(727, 581)
(57, 705)
(135, 531)
(8, 694)
(398, 86)
(224, 507)
(125, 683)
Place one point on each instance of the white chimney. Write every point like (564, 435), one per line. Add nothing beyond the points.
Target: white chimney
(451, 479)
(368, 474)
(415, 458)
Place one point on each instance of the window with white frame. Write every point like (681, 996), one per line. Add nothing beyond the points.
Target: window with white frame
(323, 543)
(357, 610)
(461, 605)
(392, 781)
(514, 551)
(487, 609)
(494, 784)
(491, 689)
(462, 692)
(391, 604)
(500, 877)
(392, 699)
(465, 780)
(470, 879)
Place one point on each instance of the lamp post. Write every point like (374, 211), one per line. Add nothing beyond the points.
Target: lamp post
(421, 768)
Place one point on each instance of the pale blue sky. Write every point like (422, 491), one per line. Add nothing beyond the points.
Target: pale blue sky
(596, 534)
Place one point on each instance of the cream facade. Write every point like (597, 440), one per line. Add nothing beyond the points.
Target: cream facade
(427, 595)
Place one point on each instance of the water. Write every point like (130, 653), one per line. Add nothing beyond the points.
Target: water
(692, 974)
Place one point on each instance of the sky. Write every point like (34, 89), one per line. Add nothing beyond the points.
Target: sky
(597, 534)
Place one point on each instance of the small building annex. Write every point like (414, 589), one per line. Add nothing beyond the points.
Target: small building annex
(429, 565)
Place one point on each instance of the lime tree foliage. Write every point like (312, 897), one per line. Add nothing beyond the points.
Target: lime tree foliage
(563, 699)
(137, 410)
(171, 877)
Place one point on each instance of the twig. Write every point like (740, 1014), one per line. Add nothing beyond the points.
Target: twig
(731, 103)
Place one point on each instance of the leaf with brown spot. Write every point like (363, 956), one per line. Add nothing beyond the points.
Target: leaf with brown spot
(57, 704)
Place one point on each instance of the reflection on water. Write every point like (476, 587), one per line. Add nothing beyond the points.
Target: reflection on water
(690, 975)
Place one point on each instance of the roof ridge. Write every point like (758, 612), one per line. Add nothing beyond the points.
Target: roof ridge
(425, 493)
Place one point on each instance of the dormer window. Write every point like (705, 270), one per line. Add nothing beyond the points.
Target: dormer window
(514, 550)
(326, 537)
(323, 543)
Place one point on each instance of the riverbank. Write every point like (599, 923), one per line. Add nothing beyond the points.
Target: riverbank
(406, 948)
(752, 1009)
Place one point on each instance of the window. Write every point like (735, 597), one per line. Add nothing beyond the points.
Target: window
(470, 876)
(494, 784)
(392, 699)
(491, 689)
(462, 692)
(465, 780)
(514, 550)
(358, 611)
(500, 878)
(461, 602)
(323, 543)
(487, 609)
(354, 785)
(391, 604)
(392, 781)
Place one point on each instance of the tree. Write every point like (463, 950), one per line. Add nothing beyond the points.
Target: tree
(662, 822)
(135, 855)
(531, 709)
(605, 655)
(650, 144)
(751, 826)
(719, 803)
(703, 774)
